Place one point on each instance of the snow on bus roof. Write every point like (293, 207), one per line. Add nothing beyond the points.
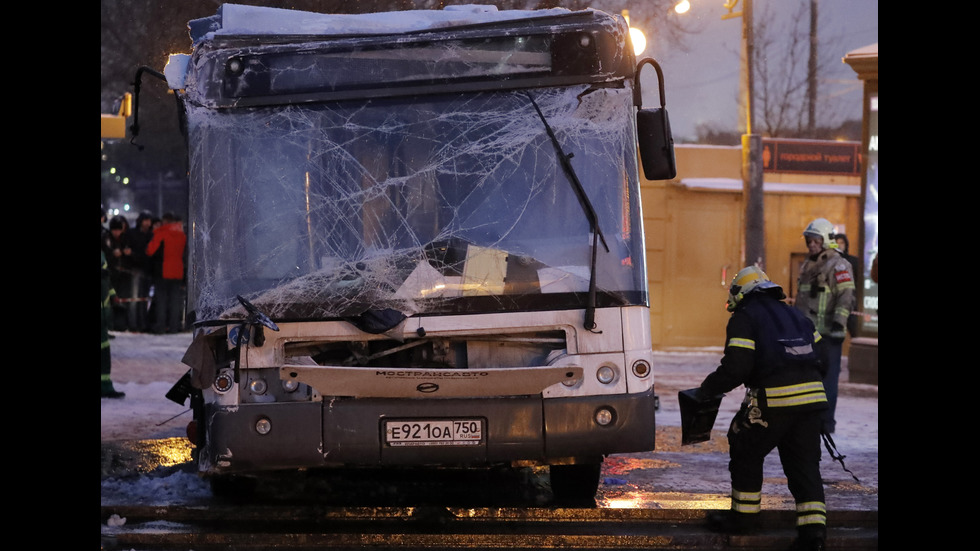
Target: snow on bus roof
(237, 19)
(241, 20)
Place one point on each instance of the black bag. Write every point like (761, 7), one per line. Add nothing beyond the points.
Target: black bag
(698, 415)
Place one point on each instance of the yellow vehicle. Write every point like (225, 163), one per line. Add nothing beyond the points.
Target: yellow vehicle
(114, 126)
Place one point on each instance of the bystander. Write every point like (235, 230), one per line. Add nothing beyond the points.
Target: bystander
(108, 390)
(168, 296)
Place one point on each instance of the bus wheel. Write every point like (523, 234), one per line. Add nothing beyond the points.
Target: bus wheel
(575, 483)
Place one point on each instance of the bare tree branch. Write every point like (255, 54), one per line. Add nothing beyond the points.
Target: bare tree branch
(783, 73)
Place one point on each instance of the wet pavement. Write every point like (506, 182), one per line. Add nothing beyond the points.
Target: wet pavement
(143, 434)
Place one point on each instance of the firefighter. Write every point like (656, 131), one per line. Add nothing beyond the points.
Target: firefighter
(108, 390)
(826, 296)
(770, 350)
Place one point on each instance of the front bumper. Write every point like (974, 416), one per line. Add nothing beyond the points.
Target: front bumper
(349, 432)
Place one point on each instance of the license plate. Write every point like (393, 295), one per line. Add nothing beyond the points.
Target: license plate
(433, 432)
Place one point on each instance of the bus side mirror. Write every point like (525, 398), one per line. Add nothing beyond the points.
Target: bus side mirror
(653, 132)
(656, 144)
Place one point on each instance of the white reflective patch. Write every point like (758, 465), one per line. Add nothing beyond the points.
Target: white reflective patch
(799, 350)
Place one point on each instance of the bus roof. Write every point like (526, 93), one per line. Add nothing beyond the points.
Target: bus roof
(240, 20)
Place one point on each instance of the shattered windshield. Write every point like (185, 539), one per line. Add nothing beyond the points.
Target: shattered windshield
(433, 204)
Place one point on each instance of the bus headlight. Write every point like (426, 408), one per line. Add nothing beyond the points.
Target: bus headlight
(605, 374)
(290, 385)
(604, 416)
(223, 383)
(258, 386)
(263, 426)
(641, 368)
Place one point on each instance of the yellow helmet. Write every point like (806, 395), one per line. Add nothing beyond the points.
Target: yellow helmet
(748, 280)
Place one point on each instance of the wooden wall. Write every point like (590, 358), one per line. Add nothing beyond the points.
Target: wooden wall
(694, 237)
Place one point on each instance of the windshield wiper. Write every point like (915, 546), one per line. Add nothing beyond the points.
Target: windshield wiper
(583, 198)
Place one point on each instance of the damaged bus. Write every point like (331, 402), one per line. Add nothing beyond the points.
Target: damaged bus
(415, 239)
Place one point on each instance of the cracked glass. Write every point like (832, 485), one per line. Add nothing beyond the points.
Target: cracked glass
(435, 203)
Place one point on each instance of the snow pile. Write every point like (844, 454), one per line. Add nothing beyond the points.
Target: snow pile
(177, 487)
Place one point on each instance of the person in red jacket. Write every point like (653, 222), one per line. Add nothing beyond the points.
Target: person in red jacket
(170, 241)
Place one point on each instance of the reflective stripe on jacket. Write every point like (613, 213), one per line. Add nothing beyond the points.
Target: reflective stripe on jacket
(795, 395)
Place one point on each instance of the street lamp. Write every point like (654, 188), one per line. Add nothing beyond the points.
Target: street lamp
(639, 41)
(755, 251)
(636, 36)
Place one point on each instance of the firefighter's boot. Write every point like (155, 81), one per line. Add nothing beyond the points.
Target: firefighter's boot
(109, 391)
(811, 539)
(730, 522)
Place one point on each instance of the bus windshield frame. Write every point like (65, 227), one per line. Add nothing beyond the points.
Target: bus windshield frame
(410, 183)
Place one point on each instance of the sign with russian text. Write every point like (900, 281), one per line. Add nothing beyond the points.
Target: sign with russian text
(811, 157)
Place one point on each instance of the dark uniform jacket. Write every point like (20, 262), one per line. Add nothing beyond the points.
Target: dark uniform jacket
(769, 349)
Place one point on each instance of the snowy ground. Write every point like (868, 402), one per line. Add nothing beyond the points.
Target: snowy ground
(146, 366)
